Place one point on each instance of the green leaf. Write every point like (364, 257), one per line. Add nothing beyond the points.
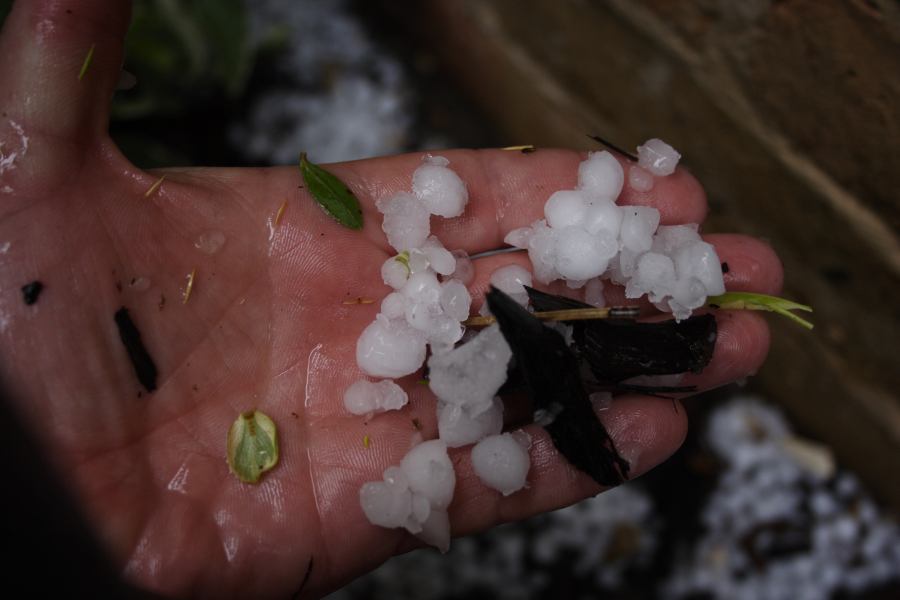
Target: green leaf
(331, 194)
(252, 446)
(749, 301)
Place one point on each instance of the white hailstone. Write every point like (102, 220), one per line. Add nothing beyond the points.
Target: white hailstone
(440, 189)
(593, 293)
(394, 305)
(422, 315)
(654, 272)
(465, 270)
(471, 374)
(580, 255)
(603, 215)
(384, 504)
(565, 208)
(436, 530)
(658, 157)
(455, 299)
(421, 510)
(575, 284)
(458, 427)
(687, 294)
(512, 280)
(364, 397)
(518, 238)
(430, 472)
(444, 332)
(439, 258)
(406, 221)
(390, 348)
(417, 261)
(422, 288)
(669, 238)
(640, 179)
(638, 225)
(601, 175)
(542, 252)
(699, 259)
(501, 463)
(394, 273)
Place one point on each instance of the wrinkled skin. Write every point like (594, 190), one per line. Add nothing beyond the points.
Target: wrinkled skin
(266, 326)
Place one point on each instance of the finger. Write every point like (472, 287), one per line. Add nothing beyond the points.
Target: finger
(506, 190)
(645, 432)
(46, 44)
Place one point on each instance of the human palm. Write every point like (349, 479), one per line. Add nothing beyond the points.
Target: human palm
(270, 323)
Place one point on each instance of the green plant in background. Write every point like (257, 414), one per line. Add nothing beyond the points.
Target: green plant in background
(183, 51)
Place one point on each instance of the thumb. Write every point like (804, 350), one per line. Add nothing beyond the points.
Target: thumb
(63, 59)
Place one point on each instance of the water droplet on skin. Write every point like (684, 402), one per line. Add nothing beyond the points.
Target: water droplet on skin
(140, 284)
(4, 247)
(210, 242)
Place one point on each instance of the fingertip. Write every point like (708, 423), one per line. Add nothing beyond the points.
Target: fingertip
(752, 264)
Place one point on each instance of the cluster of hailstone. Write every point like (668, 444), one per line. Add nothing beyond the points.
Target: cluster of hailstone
(426, 307)
(585, 237)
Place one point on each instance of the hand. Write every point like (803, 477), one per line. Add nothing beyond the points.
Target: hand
(265, 327)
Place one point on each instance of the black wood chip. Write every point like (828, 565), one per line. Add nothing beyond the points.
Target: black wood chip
(31, 291)
(143, 365)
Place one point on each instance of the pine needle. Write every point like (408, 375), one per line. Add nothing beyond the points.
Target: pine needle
(154, 187)
(279, 213)
(189, 286)
(87, 63)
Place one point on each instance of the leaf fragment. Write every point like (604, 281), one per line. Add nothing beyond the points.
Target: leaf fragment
(750, 301)
(252, 446)
(333, 196)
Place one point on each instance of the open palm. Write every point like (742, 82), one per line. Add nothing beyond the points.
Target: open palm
(267, 325)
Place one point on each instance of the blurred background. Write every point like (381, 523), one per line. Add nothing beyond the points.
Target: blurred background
(786, 110)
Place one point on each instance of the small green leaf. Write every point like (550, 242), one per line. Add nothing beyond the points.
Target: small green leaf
(403, 259)
(252, 446)
(331, 194)
(749, 301)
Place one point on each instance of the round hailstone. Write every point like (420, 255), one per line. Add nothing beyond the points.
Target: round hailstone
(638, 225)
(471, 374)
(390, 348)
(457, 427)
(430, 472)
(417, 261)
(465, 270)
(394, 273)
(440, 189)
(406, 221)
(565, 208)
(512, 280)
(384, 504)
(601, 176)
(658, 157)
(422, 288)
(541, 252)
(654, 273)
(455, 300)
(501, 463)
(603, 215)
(439, 258)
(640, 179)
(580, 255)
(393, 306)
(699, 259)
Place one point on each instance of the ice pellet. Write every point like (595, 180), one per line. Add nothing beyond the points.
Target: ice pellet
(393, 306)
(436, 530)
(439, 258)
(394, 273)
(455, 299)
(601, 175)
(565, 208)
(511, 280)
(430, 472)
(365, 397)
(501, 463)
(593, 293)
(390, 348)
(457, 427)
(385, 505)
(471, 374)
(638, 225)
(603, 216)
(658, 157)
(640, 179)
(518, 238)
(580, 255)
(406, 221)
(440, 189)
